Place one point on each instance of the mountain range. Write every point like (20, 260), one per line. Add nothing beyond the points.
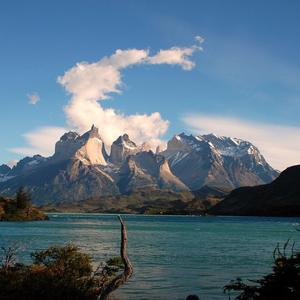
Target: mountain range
(81, 168)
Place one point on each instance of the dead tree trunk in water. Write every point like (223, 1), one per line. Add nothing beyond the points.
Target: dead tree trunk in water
(128, 269)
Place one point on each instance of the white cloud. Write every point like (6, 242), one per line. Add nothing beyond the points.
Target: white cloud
(33, 98)
(279, 144)
(199, 39)
(90, 83)
(40, 141)
(175, 56)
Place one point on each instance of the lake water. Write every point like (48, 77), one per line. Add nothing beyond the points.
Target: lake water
(173, 256)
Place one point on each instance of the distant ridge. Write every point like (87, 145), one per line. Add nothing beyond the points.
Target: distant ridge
(81, 168)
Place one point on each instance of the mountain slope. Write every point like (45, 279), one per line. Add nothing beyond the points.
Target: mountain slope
(4, 169)
(146, 201)
(81, 168)
(74, 172)
(279, 198)
(67, 180)
(89, 148)
(216, 161)
(121, 149)
(147, 170)
(4, 172)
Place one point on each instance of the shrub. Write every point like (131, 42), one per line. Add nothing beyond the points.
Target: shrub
(60, 273)
(282, 283)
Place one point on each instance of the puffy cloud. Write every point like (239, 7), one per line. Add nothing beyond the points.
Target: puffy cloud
(175, 56)
(91, 83)
(279, 144)
(123, 58)
(33, 98)
(40, 141)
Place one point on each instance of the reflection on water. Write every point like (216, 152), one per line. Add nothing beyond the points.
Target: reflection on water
(172, 255)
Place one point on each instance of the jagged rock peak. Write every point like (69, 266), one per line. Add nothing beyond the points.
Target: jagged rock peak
(93, 149)
(81, 162)
(92, 133)
(4, 169)
(145, 170)
(216, 160)
(235, 147)
(72, 136)
(28, 163)
(225, 146)
(69, 136)
(125, 141)
(180, 142)
(121, 149)
(88, 147)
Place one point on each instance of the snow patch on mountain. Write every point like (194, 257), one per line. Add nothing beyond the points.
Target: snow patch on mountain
(80, 167)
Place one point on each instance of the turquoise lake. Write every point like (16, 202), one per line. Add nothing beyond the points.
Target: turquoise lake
(173, 256)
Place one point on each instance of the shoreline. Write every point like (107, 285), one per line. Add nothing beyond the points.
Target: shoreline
(168, 215)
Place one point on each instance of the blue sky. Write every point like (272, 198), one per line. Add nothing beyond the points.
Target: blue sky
(245, 83)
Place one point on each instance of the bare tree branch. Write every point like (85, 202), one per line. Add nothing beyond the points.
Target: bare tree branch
(128, 269)
(9, 256)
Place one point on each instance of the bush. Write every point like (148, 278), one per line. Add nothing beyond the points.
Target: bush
(282, 284)
(60, 273)
(20, 209)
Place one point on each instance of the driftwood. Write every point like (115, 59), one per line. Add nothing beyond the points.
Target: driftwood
(128, 269)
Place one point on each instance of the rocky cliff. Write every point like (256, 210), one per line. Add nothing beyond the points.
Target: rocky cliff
(81, 168)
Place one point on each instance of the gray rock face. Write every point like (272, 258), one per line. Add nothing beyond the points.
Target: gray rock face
(80, 167)
(89, 147)
(74, 172)
(66, 147)
(69, 180)
(27, 164)
(216, 161)
(147, 170)
(4, 173)
(4, 169)
(121, 149)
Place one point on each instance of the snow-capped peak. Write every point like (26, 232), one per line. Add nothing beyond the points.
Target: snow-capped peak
(219, 145)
